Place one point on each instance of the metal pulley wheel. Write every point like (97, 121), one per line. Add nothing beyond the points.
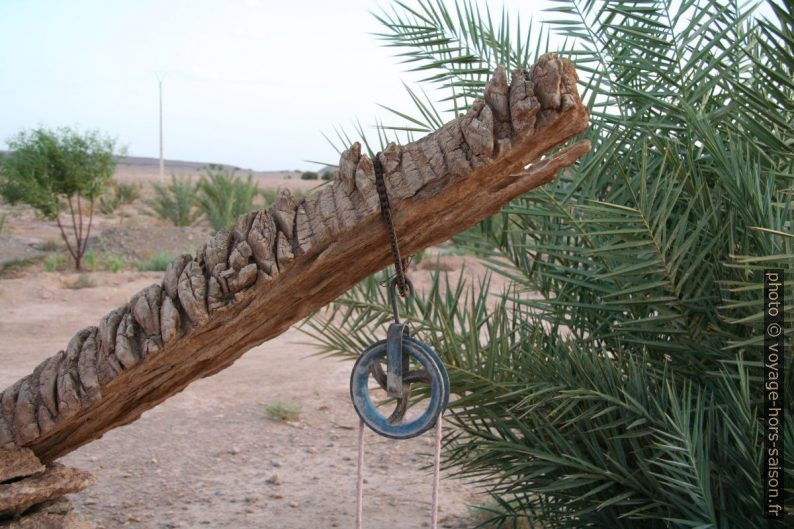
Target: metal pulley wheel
(399, 351)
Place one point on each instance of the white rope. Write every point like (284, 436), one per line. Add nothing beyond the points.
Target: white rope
(360, 476)
(436, 475)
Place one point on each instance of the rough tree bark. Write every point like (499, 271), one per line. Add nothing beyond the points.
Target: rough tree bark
(276, 266)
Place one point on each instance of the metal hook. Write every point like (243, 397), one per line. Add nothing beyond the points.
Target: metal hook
(393, 296)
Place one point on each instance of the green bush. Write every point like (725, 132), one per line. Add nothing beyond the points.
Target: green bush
(222, 196)
(56, 262)
(283, 411)
(627, 391)
(270, 194)
(309, 175)
(127, 193)
(116, 195)
(113, 263)
(108, 204)
(90, 261)
(156, 263)
(176, 202)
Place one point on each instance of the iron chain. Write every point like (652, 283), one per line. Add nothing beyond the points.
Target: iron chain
(385, 210)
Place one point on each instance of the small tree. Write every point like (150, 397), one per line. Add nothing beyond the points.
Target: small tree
(57, 170)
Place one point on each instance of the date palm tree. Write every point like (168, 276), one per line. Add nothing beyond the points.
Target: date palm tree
(627, 391)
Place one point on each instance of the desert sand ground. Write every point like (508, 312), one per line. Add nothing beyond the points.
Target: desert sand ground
(212, 456)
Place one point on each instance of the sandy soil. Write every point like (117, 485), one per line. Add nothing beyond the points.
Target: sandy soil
(146, 171)
(211, 456)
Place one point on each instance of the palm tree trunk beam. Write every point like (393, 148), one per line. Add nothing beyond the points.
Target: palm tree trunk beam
(249, 284)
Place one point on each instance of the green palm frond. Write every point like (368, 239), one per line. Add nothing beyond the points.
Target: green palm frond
(222, 196)
(616, 382)
(586, 430)
(175, 202)
(457, 47)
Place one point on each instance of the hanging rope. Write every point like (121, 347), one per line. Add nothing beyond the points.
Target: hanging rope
(436, 476)
(360, 477)
(397, 348)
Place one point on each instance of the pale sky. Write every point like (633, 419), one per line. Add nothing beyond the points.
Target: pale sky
(251, 83)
